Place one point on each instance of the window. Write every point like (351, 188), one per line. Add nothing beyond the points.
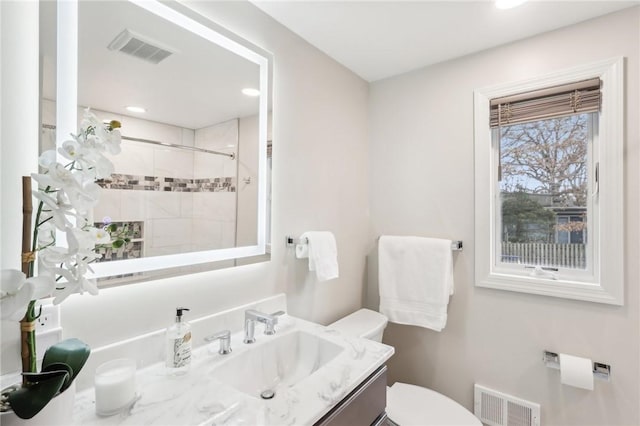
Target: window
(545, 172)
(548, 168)
(571, 230)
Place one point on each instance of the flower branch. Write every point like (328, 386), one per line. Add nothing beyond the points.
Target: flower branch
(64, 205)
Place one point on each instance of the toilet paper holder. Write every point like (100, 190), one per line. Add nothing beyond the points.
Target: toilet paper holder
(291, 241)
(601, 371)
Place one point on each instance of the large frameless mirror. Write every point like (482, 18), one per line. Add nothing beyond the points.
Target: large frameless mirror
(190, 187)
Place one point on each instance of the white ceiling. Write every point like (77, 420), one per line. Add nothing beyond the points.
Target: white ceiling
(200, 84)
(380, 39)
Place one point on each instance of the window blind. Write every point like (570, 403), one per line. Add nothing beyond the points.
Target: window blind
(557, 101)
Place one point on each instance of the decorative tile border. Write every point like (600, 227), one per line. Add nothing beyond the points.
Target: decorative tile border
(134, 229)
(131, 250)
(169, 184)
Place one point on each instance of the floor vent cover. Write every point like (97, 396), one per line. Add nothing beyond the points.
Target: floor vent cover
(495, 408)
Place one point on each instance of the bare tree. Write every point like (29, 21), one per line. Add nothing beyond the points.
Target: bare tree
(547, 157)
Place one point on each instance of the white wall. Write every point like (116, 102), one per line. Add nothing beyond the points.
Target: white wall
(18, 134)
(214, 213)
(320, 182)
(421, 183)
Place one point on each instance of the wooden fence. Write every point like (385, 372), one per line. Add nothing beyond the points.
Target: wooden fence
(563, 255)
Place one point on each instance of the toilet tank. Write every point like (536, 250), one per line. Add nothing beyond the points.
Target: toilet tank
(363, 323)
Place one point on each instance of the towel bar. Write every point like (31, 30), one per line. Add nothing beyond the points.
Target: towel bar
(290, 241)
(455, 245)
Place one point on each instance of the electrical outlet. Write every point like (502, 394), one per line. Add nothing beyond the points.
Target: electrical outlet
(49, 318)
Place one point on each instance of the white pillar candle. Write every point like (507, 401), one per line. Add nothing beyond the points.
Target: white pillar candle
(115, 386)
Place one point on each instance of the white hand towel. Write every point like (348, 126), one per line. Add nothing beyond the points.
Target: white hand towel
(415, 280)
(322, 253)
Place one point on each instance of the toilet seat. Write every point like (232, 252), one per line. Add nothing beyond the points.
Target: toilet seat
(410, 405)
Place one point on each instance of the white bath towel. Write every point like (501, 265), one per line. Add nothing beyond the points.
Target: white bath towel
(415, 280)
(322, 252)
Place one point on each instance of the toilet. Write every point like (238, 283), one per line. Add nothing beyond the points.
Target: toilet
(407, 405)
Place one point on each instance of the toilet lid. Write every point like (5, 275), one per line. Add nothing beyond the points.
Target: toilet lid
(409, 405)
(362, 323)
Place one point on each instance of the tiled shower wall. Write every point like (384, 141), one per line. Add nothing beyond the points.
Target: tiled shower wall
(186, 199)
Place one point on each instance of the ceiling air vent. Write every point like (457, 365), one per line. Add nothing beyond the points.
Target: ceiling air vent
(141, 47)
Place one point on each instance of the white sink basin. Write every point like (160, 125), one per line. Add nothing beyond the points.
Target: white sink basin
(281, 362)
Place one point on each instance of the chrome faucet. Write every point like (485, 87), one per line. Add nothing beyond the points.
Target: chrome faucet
(250, 318)
(225, 341)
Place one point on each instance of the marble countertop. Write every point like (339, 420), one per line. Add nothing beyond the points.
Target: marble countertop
(198, 398)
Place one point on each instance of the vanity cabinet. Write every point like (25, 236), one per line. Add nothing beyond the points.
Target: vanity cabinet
(364, 406)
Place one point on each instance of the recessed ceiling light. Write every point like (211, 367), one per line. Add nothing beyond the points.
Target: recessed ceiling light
(135, 109)
(508, 4)
(251, 92)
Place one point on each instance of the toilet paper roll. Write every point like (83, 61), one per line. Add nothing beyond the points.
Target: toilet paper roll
(576, 371)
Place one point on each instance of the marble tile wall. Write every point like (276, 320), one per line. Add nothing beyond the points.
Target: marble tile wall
(172, 191)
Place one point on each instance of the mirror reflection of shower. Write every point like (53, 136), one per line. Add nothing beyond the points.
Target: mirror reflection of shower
(169, 198)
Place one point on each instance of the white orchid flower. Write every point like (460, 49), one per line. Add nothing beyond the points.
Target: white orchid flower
(71, 150)
(110, 139)
(76, 281)
(81, 248)
(16, 291)
(113, 141)
(81, 240)
(47, 159)
(95, 165)
(88, 285)
(82, 194)
(89, 119)
(60, 295)
(69, 256)
(104, 167)
(84, 197)
(58, 177)
(99, 235)
(58, 209)
(72, 192)
(46, 232)
(54, 255)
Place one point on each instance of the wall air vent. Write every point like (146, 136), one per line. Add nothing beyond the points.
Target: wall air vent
(495, 408)
(141, 47)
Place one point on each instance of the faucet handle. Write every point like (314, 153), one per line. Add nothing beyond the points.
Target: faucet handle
(269, 328)
(225, 341)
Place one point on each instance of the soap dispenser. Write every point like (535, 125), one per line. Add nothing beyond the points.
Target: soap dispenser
(178, 337)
